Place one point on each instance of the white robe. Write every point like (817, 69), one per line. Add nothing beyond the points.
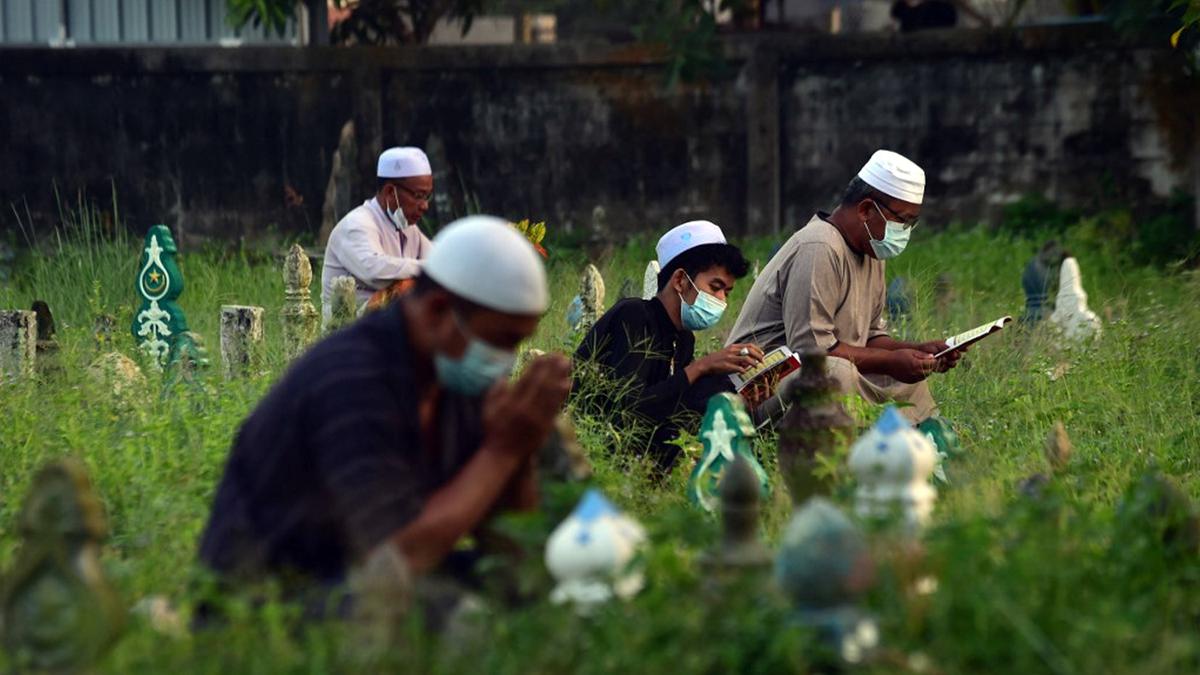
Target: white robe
(367, 246)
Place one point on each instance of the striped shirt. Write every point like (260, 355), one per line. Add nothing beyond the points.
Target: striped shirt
(332, 461)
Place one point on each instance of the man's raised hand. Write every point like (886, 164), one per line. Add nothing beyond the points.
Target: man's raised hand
(517, 416)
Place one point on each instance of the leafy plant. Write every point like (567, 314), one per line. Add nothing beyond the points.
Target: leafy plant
(534, 232)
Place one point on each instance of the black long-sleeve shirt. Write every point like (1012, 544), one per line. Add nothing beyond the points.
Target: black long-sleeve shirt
(642, 357)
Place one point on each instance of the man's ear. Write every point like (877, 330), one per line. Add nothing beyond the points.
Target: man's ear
(864, 210)
(679, 281)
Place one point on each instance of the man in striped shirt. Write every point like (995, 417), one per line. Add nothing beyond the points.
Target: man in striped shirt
(401, 432)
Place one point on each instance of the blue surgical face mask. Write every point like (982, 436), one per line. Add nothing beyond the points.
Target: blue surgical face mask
(397, 215)
(895, 238)
(477, 369)
(702, 314)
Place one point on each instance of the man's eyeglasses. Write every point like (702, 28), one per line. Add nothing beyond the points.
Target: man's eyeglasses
(418, 196)
(908, 224)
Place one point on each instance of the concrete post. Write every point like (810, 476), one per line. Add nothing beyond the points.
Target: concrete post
(344, 304)
(18, 344)
(241, 339)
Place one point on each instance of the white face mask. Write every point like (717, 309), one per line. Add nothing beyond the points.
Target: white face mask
(895, 238)
(396, 215)
(702, 314)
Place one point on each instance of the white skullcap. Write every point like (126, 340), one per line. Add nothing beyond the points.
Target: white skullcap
(403, 163)
(687, 236)
(894, 175)
(485, 259)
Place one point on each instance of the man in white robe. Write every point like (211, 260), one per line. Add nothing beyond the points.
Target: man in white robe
(379, 243)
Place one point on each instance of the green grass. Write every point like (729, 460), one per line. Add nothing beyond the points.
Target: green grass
(1078, 582)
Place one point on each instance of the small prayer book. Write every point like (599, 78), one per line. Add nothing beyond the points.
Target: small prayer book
(974, 335)
(759, 383)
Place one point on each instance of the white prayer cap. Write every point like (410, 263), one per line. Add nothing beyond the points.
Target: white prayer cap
(687, 236)
(485, 259)
(894, 175)
(403, 163)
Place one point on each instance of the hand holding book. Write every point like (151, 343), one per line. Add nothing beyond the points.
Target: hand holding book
(963, 340)
(737, 358)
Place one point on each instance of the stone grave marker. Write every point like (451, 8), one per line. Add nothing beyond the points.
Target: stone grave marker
(590, 554)
(160, 322)
(1058, 448)
(650, 280)
(824, 565)
(1057, 451)
(591, 296)
(1071, 315)
(59, 613)
(47, 344)
(241, 340)
(114, 369)
(341, 189)
(343, 304)
(111, 368)
(301, 321)
(18, 344)
(599, 244)
(727, 433)
(740, 548)
(813, 431)
(892, 464)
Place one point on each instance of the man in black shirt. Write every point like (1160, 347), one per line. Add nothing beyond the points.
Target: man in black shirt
(638, 358)
(401, 432)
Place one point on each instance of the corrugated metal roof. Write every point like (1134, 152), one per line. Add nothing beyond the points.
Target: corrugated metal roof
(127, 22)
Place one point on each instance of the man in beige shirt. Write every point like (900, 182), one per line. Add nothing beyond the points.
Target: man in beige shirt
(824, 291)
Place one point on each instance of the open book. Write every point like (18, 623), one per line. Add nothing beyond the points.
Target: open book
(972, 336)
(758, 383)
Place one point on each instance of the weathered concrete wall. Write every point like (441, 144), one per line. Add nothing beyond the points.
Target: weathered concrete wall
(226, 142)
(556, 144)
(1069, 113)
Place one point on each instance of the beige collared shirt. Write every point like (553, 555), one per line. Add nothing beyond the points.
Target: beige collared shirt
(814, 293)
(367, 246)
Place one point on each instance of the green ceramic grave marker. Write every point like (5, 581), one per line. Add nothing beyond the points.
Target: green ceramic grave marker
(159, 321)
(726, 432)
(58, 612)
